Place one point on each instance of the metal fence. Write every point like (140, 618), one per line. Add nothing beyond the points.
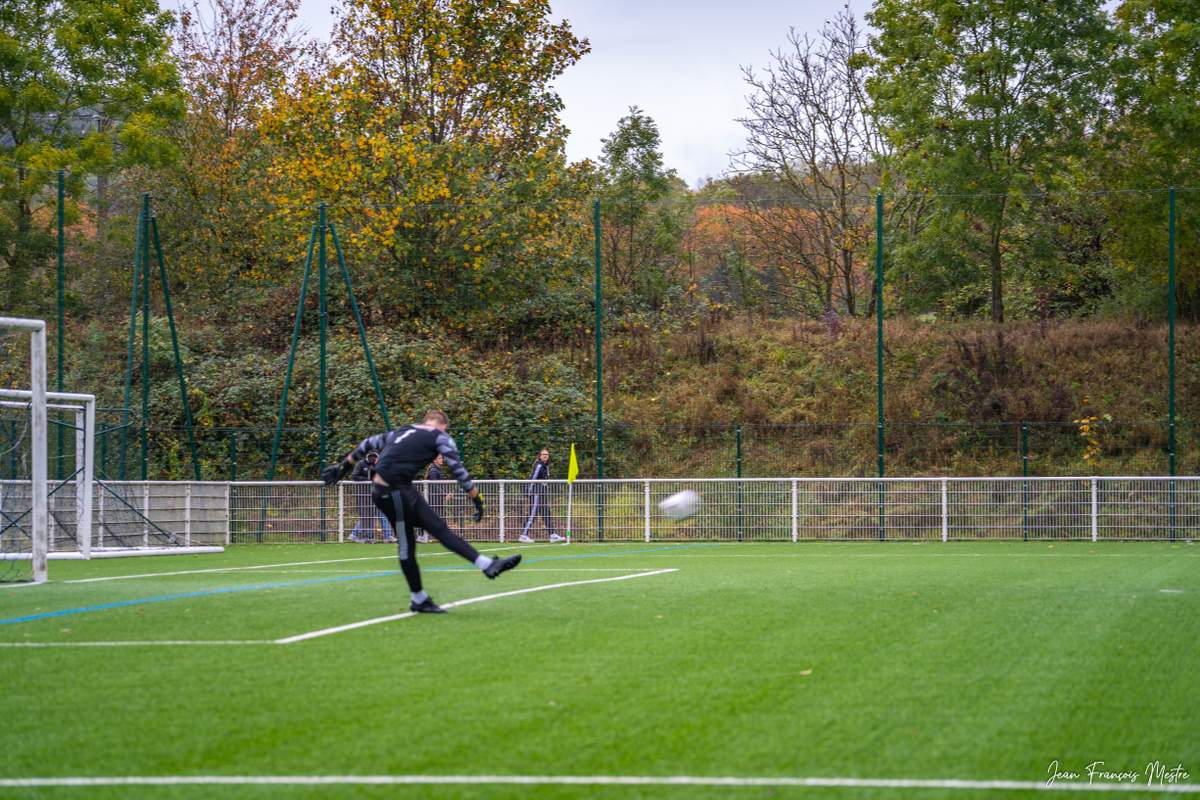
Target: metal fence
(137, 513)
(791, 509)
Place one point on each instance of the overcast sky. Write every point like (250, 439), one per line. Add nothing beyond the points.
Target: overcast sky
(677, 59)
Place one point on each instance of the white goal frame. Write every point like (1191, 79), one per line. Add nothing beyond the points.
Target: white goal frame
(40, 513)
(84, 408)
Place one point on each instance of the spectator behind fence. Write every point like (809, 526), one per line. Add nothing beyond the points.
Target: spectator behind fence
(536, 497)
(437, 494)
(370, 519)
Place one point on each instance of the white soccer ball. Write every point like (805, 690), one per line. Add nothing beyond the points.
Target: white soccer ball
(680, 505)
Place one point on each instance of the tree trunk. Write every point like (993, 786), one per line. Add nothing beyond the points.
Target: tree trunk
(848, 279)
(20, 263)
(998, 285)
(997, 279)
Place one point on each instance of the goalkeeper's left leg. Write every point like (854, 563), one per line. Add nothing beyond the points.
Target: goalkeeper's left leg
(425, 517)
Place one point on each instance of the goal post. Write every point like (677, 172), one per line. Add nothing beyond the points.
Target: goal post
(39, 512)
(83, 407)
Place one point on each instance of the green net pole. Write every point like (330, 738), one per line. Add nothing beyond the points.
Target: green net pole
(324, 321)
(61, 303)
(362, 329)
(1171, 352)
(102, 464)
(145, 472)
(1025, 483)
(740, 492)
(233, 455)
(183, 395)
(323, 315)
(599, 376)
(133, 312)
(287, 377)
(879, 353)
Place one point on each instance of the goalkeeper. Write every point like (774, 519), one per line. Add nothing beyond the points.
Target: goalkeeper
(403, 454)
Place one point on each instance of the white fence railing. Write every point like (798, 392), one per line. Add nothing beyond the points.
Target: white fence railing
(133, 513)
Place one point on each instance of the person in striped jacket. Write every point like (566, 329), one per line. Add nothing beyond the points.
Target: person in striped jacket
(538, 503)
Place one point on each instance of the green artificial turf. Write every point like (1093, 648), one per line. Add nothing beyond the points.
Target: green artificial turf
(967, 661)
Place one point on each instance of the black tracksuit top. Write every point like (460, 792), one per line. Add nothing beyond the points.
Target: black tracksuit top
(405, 453)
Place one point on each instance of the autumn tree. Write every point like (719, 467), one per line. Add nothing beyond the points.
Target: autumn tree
(643, 219)
(811, 132)
(434, 134)
(749, 256)
(233, 56)
(986, 102)
(64, 65)
(1150, 145)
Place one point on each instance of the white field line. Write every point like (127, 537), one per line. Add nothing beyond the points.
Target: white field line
(698, 554)
(597, 780)
(465, 570)
(260, 566)
(393, 617)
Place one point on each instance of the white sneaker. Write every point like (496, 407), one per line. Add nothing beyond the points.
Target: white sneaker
(554, 537)
(523, 539)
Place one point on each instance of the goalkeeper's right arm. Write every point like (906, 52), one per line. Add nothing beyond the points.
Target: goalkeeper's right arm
(335, 472)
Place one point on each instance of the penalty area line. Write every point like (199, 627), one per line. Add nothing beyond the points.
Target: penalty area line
(468, 601)
(600, 780)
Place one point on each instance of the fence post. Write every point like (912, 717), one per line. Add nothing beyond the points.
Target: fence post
(342, 514)
(880, 500)
(1095, 511)
(187, 515)
(100, 521)
(145, 513)
(502, 513)
(795, 528)
(228, 514)
(646, 508)
(945, 512)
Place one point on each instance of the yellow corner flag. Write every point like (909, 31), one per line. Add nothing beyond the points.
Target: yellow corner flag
(573, 466)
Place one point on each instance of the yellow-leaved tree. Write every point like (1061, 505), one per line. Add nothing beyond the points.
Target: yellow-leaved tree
(433, 134)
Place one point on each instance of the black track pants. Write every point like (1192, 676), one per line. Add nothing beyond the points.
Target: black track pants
(405, 508)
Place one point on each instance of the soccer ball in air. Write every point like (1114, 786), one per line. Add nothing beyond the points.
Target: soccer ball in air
(680, 505)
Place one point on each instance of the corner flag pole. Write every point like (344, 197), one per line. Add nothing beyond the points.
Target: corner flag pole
(572, 474)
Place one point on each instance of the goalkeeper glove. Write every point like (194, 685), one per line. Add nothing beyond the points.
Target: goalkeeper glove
(478, 507)
(335, 472)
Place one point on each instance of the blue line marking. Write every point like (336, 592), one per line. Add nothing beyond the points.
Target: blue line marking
(163, 598)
